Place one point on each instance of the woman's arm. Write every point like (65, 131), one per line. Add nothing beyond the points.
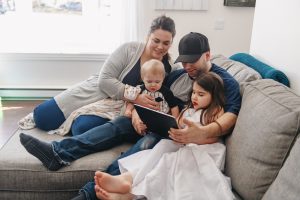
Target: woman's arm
(114, 67)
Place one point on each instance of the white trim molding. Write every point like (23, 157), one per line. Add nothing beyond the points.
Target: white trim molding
(52, 57)
(28, 93)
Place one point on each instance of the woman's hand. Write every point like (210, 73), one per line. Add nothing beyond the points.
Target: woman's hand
(192, 133)
(137, 123)
(147, 101)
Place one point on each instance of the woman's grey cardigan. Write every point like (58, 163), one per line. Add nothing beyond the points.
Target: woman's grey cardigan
(109, 81)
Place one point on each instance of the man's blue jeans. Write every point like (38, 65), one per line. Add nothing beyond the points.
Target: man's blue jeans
(106, 136)
(146, 142)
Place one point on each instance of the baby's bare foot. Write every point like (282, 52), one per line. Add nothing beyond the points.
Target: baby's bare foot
(113, 184)
(103, 194)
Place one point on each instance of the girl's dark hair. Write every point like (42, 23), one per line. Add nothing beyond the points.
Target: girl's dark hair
(213, 84)
(164, 23)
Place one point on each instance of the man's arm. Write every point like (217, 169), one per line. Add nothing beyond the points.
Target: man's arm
(223, 125)
(195, 133)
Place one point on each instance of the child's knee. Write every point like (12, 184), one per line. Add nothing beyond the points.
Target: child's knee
(149, 142)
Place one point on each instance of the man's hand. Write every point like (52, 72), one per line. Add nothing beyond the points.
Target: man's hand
(147, 101)
(137, 123)
(192, 133)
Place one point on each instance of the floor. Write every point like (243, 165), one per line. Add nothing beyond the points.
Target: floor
(11, 111)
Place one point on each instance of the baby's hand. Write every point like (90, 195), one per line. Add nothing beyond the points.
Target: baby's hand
(128, 113)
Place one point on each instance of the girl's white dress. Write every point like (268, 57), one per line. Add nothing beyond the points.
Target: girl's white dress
(171, 171)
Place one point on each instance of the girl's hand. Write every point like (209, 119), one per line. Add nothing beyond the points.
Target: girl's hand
(192, 133)
(147, 101)
(137, 123)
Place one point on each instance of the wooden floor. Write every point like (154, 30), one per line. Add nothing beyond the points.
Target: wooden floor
(11, 111)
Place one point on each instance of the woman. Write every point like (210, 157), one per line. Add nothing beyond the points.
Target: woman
(119, 74)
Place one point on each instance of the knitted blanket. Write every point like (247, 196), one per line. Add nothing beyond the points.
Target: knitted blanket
(265, 70)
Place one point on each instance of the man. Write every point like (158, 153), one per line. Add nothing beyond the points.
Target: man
(194, 53)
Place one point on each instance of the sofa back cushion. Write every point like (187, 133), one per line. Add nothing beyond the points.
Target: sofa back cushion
(286, 186)
(265, 130)
(240, 71)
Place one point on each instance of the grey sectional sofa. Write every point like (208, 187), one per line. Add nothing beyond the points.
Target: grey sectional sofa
(263, 151)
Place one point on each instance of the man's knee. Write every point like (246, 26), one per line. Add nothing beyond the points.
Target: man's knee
(86, 122)
(122, 122)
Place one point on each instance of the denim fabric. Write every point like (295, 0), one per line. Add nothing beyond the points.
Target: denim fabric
(48, 116)
(84, 123)
(106, 136)
(146, 142)
(89, 191)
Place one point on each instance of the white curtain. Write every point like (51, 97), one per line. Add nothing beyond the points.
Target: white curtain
(129, 24)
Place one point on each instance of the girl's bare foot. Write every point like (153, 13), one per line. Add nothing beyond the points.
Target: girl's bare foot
(114, 184)
(103, 194)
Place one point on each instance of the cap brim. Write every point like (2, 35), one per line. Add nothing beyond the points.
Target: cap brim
(187, 58)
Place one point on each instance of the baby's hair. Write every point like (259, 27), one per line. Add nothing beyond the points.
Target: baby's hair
(212, 83)
(153, 66)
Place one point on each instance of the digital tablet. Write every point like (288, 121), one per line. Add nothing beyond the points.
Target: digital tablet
(156, 121)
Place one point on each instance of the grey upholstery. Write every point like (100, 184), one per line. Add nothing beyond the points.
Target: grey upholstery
(23, 176)
(266, 128)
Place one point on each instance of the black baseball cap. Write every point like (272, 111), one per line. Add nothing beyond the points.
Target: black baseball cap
(191, 47)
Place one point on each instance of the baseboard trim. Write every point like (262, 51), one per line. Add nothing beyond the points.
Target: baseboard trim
(28, 93)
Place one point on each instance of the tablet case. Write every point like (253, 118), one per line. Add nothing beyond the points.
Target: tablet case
(156, 122)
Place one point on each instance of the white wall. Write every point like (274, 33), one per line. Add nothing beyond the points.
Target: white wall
(276, 36)
(44, 75)
(235, 37)
(54, 71)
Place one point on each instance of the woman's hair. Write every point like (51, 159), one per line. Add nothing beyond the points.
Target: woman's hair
(164, 23)
(213, 84)
(167, 24)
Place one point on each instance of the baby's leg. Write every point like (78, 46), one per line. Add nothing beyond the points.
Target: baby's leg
(103, 194)
(119, 184)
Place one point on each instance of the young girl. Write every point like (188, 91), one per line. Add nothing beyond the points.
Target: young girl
(175, 171)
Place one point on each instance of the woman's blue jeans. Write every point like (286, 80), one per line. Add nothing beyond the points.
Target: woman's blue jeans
(48, 116)
(146, 142)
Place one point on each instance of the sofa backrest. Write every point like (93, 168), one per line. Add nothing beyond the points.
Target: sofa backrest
(265, 131)
(241, 72)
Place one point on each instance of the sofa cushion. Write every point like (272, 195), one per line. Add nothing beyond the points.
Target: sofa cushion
(240, 71)
(266, 127)
(23, 176)
(286, 185)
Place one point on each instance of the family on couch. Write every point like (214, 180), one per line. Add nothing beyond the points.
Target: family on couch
(119, 76)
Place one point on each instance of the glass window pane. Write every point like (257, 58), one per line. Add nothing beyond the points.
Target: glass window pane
(63, 26)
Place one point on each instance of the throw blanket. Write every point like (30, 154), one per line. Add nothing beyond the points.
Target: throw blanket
(171, 171)
(265, 70)
(106, 108)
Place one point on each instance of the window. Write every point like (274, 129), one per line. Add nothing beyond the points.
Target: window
(65, 26)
